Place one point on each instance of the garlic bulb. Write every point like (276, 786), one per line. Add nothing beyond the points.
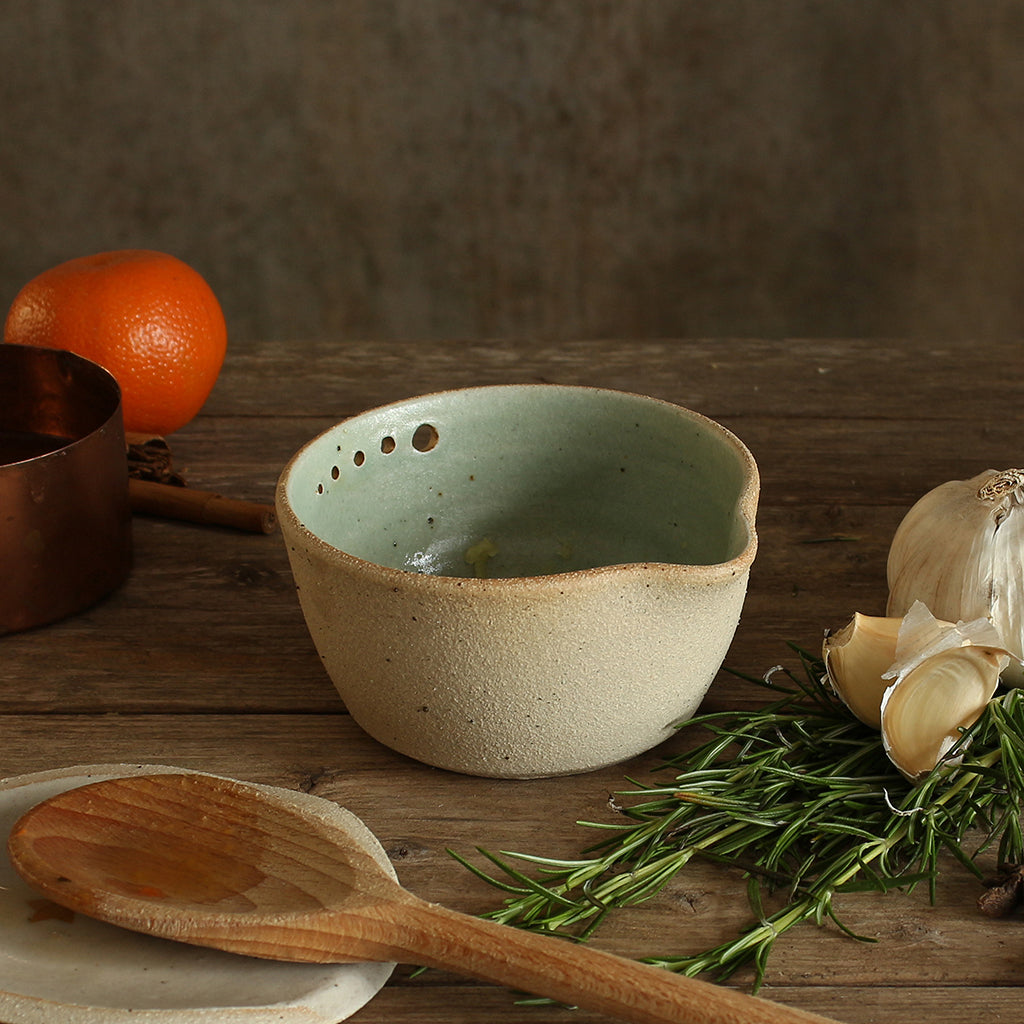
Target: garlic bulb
(960, 550)
(918, 679)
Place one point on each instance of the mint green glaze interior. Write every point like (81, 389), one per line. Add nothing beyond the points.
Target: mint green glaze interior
(525, 480)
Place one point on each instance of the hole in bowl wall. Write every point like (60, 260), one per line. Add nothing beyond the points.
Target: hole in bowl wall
(425, 437)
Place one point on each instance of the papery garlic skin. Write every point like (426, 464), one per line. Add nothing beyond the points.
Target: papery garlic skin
(921, 635)
(856, 658)
(960, 551)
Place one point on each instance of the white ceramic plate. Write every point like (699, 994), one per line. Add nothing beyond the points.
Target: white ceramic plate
(81, 971)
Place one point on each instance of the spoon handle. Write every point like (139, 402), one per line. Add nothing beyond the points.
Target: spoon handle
(433, 936)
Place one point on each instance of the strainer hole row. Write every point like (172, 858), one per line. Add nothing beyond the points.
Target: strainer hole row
(424, 439)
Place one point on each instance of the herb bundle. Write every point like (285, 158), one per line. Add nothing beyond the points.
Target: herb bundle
(802, 797)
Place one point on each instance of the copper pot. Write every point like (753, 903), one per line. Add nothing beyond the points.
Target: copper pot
(65, 521)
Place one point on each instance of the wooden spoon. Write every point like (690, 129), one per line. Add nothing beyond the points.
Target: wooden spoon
(219, 863)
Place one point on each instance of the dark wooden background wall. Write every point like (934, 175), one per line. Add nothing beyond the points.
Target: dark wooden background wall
(561, 168)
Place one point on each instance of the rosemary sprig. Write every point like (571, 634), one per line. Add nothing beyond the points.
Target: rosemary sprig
(802, 797)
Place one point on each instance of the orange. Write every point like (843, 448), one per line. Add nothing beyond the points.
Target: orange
(147, 317)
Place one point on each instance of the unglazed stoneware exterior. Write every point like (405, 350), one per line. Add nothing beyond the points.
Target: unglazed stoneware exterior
(522, 580)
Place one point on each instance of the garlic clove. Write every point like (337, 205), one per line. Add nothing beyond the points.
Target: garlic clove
(856, 657)
(924, 712)
(960, 550)
(863, 657)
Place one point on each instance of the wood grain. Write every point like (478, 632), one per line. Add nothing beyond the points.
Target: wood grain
(202, 659)
(223, 864)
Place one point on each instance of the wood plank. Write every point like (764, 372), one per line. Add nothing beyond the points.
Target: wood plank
(731, 378)
(202, 659)
(209, 619)
(869, 1004)
(825, 462)
(419, 814)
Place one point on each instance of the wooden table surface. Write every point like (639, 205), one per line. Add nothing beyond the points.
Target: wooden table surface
(202, 659)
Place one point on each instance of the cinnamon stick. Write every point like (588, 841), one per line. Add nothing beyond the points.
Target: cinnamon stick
(149, 458)
(172, 502)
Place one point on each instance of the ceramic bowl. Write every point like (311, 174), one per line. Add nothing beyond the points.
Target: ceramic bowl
(523, 580)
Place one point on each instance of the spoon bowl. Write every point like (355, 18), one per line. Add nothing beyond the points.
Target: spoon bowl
(219, 863)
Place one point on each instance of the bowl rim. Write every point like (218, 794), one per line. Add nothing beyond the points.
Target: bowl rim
(746, 507)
